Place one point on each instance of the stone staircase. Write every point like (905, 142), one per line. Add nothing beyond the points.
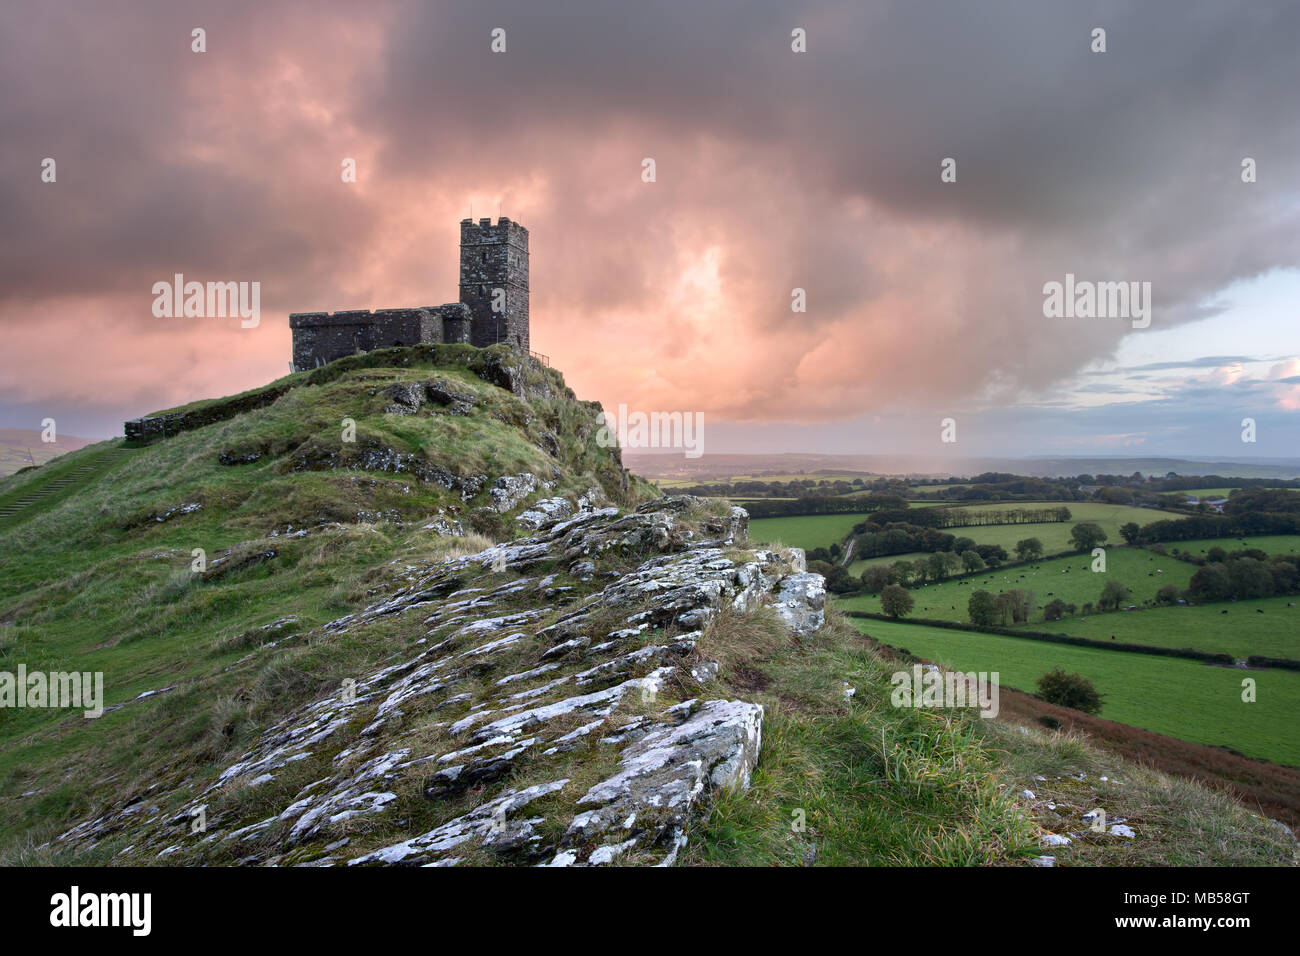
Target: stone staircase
(60, 482)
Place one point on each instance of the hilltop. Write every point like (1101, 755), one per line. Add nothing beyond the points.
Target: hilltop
(435, 621)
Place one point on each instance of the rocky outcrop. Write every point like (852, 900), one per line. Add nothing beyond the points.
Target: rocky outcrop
(578, 653)
(408, 398)
(509, 490)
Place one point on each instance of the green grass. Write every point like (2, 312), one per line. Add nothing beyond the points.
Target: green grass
(1134, 567)
(1170, 696)
(1241, 632)
(95, 582)
(856, 781)
(856, 567)
(806, 531)
(851, 781)
(1268, 543)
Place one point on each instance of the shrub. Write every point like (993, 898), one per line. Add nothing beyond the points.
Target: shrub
(1069, 690)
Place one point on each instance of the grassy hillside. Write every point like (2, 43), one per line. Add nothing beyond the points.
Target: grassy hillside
(300, 527)
(104, 580)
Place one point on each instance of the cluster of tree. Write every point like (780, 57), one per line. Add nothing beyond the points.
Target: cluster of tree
(1016, 605)
(1005, 487)
(969, 518)
(1244, 577)
(817, 505)
(1262, 500)
(1009, 607)
(1237, 525)
(757, 488)
(939, 565)
(1174, 482)
(899, 537)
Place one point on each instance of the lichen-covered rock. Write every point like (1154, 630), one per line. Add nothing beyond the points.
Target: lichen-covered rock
(508, 490)
(446, 526)
(544, 513)
(801, 602)
(515, 684)
(697, 749)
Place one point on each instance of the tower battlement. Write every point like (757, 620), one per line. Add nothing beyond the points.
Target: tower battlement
(493, 306)
(494, 280)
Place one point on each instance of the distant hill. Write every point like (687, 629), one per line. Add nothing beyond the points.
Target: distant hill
(16, 444)
(660, 466)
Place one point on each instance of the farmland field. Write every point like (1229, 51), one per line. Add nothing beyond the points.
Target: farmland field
(1056, 535)
(1167, 695)
(1241, 632)
(1069, 579)
(1268, 543)
(807, 531)
(856, 568)
(824, 530)
(1210, 492)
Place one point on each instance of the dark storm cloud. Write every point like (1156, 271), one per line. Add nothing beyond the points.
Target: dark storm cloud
(775, 170)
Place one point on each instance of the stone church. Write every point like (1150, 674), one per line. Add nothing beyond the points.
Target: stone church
(493, 306)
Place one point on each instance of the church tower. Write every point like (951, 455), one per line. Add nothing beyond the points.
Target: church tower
(494, 281)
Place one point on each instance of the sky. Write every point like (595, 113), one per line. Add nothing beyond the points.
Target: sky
(775, 170)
